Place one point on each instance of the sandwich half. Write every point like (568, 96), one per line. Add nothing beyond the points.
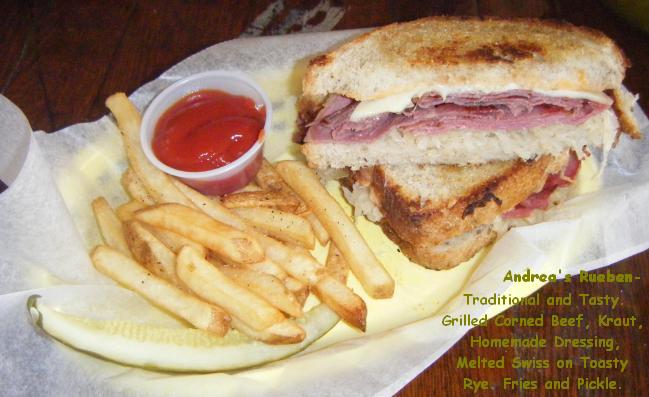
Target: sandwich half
(446, 90)
(441, 215)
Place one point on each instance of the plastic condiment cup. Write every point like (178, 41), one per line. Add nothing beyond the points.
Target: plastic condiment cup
(229, 177)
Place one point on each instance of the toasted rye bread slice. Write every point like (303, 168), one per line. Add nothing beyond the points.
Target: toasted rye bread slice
(447, 254)
(432, 204)
(456, 52)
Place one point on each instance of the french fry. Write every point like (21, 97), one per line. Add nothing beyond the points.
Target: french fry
(268, 267)
(267, 287)
(299, 264)
(157, 183)
(150, 252)
(319, 230)
(297, 288)
(223, 239)
(295, 260)
(345, 304)
(376, 281)
(110, 226)
(335, 264)
(260, 198)
(285, 332)
(175, 241)
(212, 207)
(281, 225)
(269, 179)
(134, 187)
(126, 212)
(265, 266)
(302, 263)
(160, 292)
(207, 282)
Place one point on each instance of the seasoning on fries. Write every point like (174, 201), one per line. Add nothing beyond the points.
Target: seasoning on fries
(269, 179)
(281, 225)
(175, 241)
(126, 211)
(134, 187)
(295, 261)
(335, 264)
(150, 252)
(262, 198)
(266, 286)
(160, 292)
(206, 281)
(320, 232)
(363, 263)
(223, 239)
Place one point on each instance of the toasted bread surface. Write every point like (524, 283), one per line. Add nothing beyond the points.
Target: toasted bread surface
(448, 254)
(432, 204)
(455, 52)
(623, 102)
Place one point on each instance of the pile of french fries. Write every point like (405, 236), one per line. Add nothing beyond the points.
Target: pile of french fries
(241, 261)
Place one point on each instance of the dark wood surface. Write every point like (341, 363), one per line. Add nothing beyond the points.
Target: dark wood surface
(61, 59)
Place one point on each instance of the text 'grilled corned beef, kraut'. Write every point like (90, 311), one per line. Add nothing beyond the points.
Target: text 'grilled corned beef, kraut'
(433, 114)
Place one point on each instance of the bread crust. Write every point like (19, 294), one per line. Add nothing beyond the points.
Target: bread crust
(442, 257)
(420, 221)
(457, 52)
(622, 105)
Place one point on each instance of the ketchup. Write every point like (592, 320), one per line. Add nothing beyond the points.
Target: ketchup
(207, 129)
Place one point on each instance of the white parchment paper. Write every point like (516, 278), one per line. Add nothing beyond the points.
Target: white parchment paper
(46, 227)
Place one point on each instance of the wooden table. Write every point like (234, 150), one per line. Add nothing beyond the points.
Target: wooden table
(61, 59)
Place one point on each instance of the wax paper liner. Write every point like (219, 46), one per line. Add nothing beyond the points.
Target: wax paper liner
(46, 227)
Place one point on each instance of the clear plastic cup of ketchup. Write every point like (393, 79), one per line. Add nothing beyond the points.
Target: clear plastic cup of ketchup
(208, 130)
